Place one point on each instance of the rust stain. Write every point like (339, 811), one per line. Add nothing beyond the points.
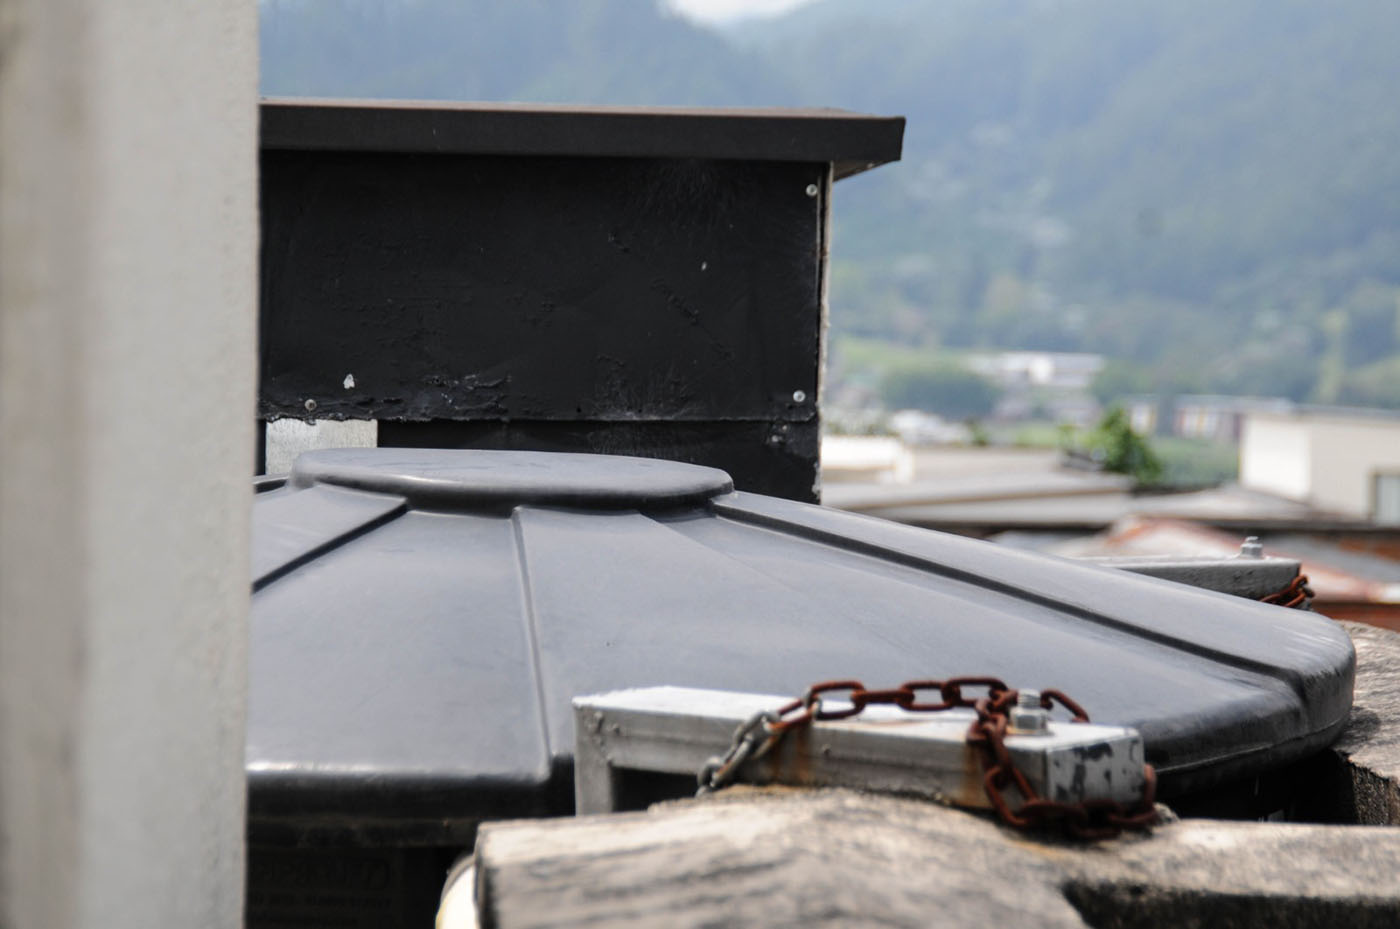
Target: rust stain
(791, 761)
(969, 791)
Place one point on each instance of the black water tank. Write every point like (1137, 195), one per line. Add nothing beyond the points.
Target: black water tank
(422, 619)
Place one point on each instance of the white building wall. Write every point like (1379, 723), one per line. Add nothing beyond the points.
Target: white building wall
(1276, 455)
(1346, 454)
(1328, 460)
(128, 268)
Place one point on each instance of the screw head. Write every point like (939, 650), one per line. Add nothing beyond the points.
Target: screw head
(799, 396)
(812, 190)
(310, 405)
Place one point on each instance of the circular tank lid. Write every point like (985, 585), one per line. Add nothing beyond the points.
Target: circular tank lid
(453, 479)
(422, 620)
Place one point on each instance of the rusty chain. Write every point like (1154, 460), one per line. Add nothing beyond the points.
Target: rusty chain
(1297, 595)
(1097, 819)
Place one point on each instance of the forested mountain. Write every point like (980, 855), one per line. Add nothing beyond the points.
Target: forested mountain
(561, 51)
(1208, 191)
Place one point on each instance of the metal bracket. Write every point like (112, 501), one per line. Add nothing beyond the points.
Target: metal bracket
(674, 730)
(1249, 576)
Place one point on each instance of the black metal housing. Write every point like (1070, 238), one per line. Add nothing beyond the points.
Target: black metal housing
(618, 280)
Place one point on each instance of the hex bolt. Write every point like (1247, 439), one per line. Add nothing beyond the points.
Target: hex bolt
(1252, 548)
(812, 190)
(1028, 717)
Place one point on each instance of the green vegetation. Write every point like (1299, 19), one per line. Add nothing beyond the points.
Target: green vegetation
(951, 391)
(1036, 434)
(1115, 445)
(863, 360)
(1184, 462)
(1205, 190)
(1375, 384)
(1195, 462)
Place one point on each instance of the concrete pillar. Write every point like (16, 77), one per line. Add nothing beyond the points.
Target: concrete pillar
(128, 268)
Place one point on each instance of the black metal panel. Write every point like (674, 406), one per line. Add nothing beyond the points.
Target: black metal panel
(645, 281)
(853, 142)
(460, 287)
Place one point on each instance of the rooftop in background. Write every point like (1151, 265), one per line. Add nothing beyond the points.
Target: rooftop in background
(1355, 573)
(984, 491)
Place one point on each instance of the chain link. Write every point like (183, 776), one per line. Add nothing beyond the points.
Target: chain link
(1094, 819)
(1297, 595)
(752, 740)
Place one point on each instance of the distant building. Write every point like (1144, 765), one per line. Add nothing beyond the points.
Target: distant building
(1075, 408)
(1344, 460)
(1197, 416)
(916, 427)
(870, 459)
(1042, 385)
(1220, 419)
(1142, 414)
(1059, 370)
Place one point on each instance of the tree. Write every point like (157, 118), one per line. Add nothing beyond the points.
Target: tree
(947, 389)
(1115, 445)
(1119, 379)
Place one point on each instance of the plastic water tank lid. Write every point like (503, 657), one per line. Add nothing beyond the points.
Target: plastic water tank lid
(477, 478)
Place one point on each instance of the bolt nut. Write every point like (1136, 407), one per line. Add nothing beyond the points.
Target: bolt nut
(1029, 722)
(1252, 548)
(1028, 717)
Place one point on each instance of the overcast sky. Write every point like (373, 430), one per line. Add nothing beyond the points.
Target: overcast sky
(725, 10)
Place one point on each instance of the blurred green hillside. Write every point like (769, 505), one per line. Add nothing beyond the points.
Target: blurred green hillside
(1208, 192)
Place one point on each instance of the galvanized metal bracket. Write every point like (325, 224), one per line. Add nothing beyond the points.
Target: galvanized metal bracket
(674, 730)
(1250, 576)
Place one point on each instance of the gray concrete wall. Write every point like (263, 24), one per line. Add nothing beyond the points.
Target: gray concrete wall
(128, 133)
